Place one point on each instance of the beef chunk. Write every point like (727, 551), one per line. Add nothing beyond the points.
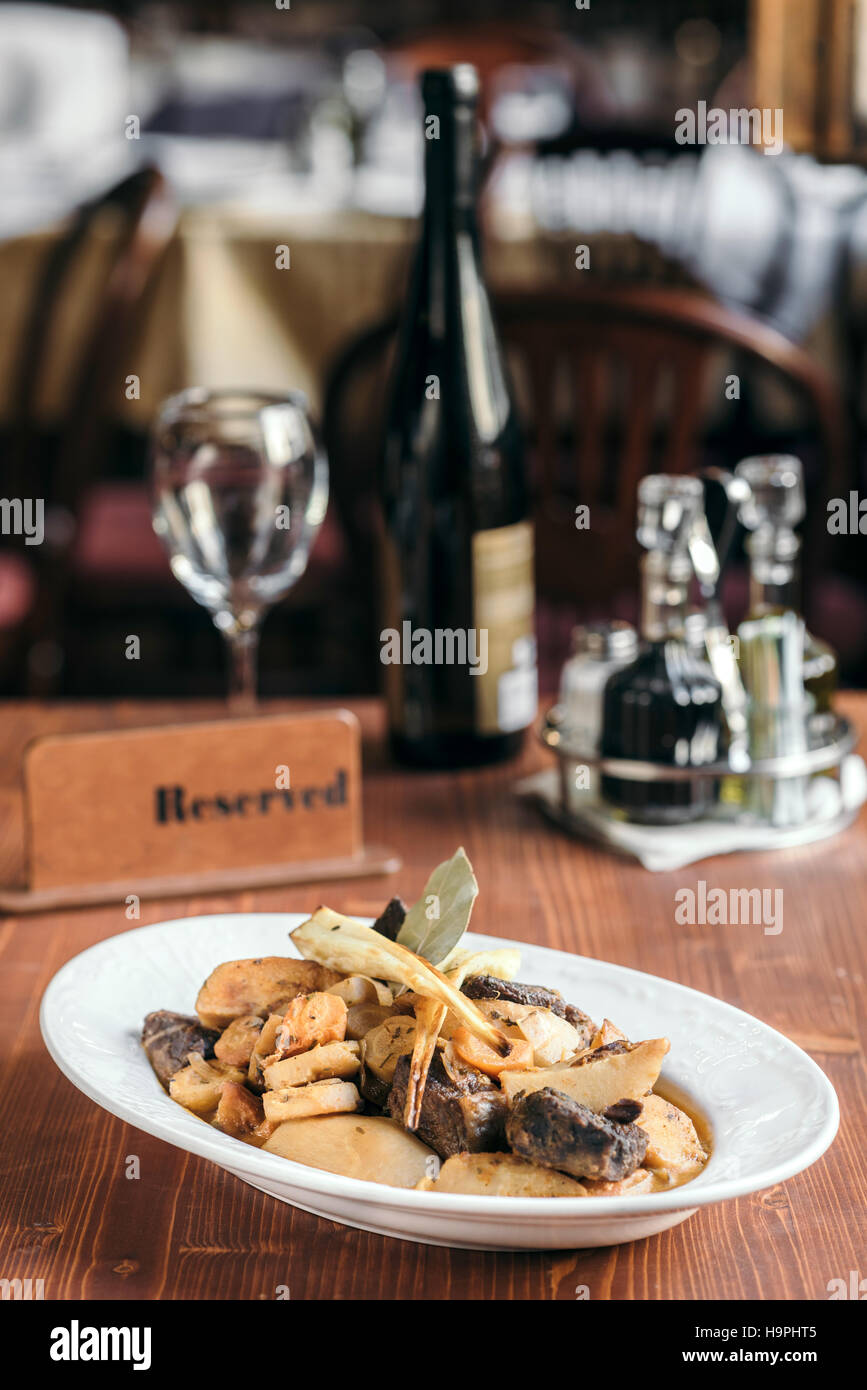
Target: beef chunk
(583, 1022)
(489, 987)
(606, 1050)
(391, 919)
(168, 1038)
(465, 1116)
(623, 1112)
(373, 1088)
(552, 1129)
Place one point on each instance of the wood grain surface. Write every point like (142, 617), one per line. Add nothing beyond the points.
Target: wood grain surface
(185, 1229)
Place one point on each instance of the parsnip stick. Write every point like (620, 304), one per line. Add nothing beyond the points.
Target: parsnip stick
(430, 1017)
(345, 944)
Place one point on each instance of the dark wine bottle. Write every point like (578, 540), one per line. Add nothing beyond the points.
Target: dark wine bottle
(666, 706)
(458, 643)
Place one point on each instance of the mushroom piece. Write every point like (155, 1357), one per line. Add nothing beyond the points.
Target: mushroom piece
(239, 1113)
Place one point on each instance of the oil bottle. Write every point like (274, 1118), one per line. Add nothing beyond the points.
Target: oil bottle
(666, 706)
(773, 509)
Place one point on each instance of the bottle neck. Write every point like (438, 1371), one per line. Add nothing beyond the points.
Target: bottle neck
(450, 164)
(665, 581)
(774, 571)
(449, 242)
(450, 282)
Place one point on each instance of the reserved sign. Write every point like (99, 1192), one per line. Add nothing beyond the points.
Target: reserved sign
(192, 798)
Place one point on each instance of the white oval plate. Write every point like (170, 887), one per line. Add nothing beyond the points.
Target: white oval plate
(770, 1110)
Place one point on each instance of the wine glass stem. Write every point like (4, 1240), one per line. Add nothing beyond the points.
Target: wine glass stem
(243, 654)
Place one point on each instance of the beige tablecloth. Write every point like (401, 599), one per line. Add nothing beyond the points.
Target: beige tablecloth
(221, 313)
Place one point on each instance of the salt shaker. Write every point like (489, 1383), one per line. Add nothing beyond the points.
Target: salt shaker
(598, 649)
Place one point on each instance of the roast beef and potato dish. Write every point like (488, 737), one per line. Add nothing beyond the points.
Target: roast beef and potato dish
(392, 1054)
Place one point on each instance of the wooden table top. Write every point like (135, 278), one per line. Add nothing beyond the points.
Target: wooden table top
(186, 1229)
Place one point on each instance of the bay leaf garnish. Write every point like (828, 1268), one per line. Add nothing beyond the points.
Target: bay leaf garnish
(435, 924)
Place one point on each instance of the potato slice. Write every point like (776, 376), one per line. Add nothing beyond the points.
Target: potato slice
(639, 1181)
(235, 1044)
(553, 1039)
(339, 1059)
(362, 989)
(370, 1147)
(623, 1071)
(260, 985)
(608, 1032)
(310, 1020)
(263, 1051)
(383, 1045)
(198, 1086)
(673, 1142)
(318, 1098)
(503, 1175)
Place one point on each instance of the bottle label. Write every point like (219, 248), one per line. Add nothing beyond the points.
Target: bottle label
(507, 689)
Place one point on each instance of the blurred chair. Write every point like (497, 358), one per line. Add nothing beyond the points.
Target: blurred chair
(17, 597)
(613, 382)
(66, 466)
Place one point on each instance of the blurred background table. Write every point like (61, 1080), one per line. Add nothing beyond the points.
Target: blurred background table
(160, 163)
(70, 1216)
(217, 300)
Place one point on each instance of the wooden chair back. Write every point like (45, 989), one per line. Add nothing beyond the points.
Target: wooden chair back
(614, 382)
(147, 222)
(147, 219)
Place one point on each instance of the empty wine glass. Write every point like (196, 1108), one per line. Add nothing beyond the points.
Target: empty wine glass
(240, 489)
